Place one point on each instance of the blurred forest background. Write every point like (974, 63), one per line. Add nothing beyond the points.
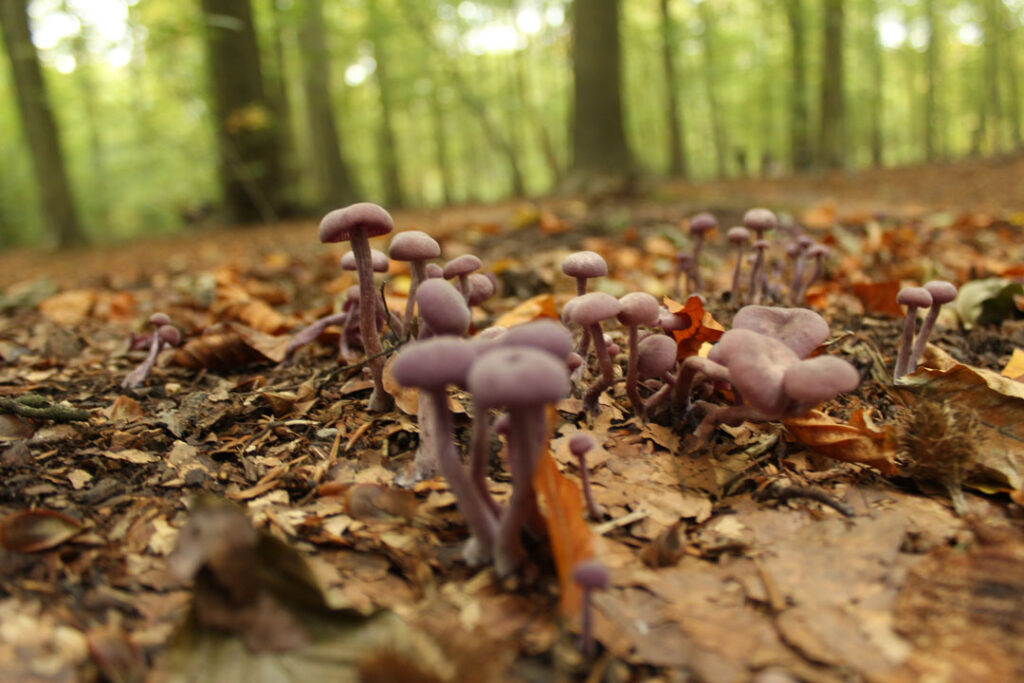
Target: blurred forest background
(127, 117)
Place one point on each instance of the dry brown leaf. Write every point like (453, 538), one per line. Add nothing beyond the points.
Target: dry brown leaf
(70, 307)
(702, 328)
(30, 531)
(1015, 366)
(227, 346)
(535, 308)
(879, 297)
(860, 442)
(571, 539)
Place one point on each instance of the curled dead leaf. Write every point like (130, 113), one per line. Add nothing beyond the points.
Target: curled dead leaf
(535, 308)
(860, 441)
(879, 298)
(30, 531)
(227, 346)
(702, 328)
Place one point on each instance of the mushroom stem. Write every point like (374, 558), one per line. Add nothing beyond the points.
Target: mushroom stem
(380, 399)
(687, 374)
(737, 272)
(479, 448)
(417, 274)
(698, 244)
(903, 356)
(312, 331)
(140, 373)
(631, 376)
(590, 398)
(756, 280)
(523, 452)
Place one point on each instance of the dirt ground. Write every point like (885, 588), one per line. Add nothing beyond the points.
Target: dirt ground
(821, 548)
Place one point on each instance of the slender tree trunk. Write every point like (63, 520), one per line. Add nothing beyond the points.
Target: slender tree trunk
(598, 135)
(931, 60)
(876, 69)
(1010, 37)
(336, 185)
(993, 99)
(387, 148)
(678, 165)
(799, 117)
(250, 168)
(831, 132)
(711, 86)
(277, 79)
(441, 153)
(57, 203)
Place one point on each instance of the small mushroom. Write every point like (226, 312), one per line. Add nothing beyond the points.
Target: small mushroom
(165, 335)
(584, 265)
(637, 308)
(579, 445)
(591, 576)
(798, 328)
(442, 308)
(818, 252)
(460, 267)
(414, 247)
(656, 357)
(700, 226)
(757, 277)
(588, 311)
(738, 236)
(913, 298)
(942, 293)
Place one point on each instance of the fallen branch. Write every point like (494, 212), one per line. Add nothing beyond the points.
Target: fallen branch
(39, 408)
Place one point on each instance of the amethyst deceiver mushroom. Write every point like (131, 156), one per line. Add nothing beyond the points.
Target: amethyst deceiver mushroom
(414, 247)
(656, 356)
(580, 444)
(583, 266)
(817, 252)
(591, 576)
(799, 254)
(523, 380)
(460, 267)
(588, 311)
(434, 271)
(757, 272)
(637, 308)
(760, 220)
(481, 288)
(700, 226)
(442, 309)
(798, 328)
(817, 379)
(164, 335)
(739, 236)
(913, 298)
(357, 224)
(431, 366)
(942, 293)
(684, 266)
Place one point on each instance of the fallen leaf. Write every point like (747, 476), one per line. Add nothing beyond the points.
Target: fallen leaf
(227, 346)
(30, 531)
(1015, 366)
(132, 455)
(859, 442)
(702, 326)
(983, 302)
(535, 308)
(561, 504)
(879, 298)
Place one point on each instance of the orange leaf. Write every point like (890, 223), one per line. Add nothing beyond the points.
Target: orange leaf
(227, 346)
(540, 306)
(561, 504)
(1015, 367)
(702, 328)
(879, 297)
(860, 441)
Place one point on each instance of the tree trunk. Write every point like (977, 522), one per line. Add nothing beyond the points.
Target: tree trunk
(57, 203)
(711, 85)
(536, 121)
(441, 154)
(335, 184)
(277, 80)
(1010, 33)
(599, 144)
(993, 100)
(875, 68)
(799, 118)
(387, 148)
(831, 130)
(247, 137)
(678, 166)
(931, 60)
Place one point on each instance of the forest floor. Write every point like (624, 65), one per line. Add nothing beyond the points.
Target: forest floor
(822, 548)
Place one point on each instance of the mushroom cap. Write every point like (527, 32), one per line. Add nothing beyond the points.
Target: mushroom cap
(442, 307)
(434, 363)
(757, 364)
(580, 443)
(378, 259)
(159, 318)
(461, 265)
(413, 245)
(760, 220)
(702, 223)
(819, 379)
(586, 264)
(638, 308)
(801, 329)
(656, 355)
(591, 575)
(738, 235)
(547, 335)
(481, 288)
(338, 225)
(434, 271)
(594, 307)
(819, 251)
(804, 242)
(170, 334)
(517, 377)
(761, 245)
(915, 297)
(942, 291)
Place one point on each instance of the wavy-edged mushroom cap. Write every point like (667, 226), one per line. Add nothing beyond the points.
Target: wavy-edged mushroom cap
(435, 271)
(413, 245)
(338, 225)
(738, 235)
(593, 308)
(378, 259)
(757, 364)
(801, 329)
(638, 308)
(442, 307)
(581, 443)
(656, 355)
(434, 363)
(481, 288)
(942, 291)
(591, 575)
(761, 245)
(518, 376)
(760, 220)
(159, 318)
(170, 334)
(702, 223)
(461, 265)
(819, 251)
(819, 379)
(547, 335)
(585, 264)
(918, 297)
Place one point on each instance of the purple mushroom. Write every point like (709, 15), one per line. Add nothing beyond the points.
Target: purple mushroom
(700, 226)
(584, 265)
(588, 311)
(942, 293)
(165, 335)
(414, 247)
(738, 236)
(580, 444)
(591, 576)
(913, 298)
(637, 308)
(460, 267)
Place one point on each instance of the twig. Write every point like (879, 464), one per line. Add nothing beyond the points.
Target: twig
(784, 490)
(39, 408)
